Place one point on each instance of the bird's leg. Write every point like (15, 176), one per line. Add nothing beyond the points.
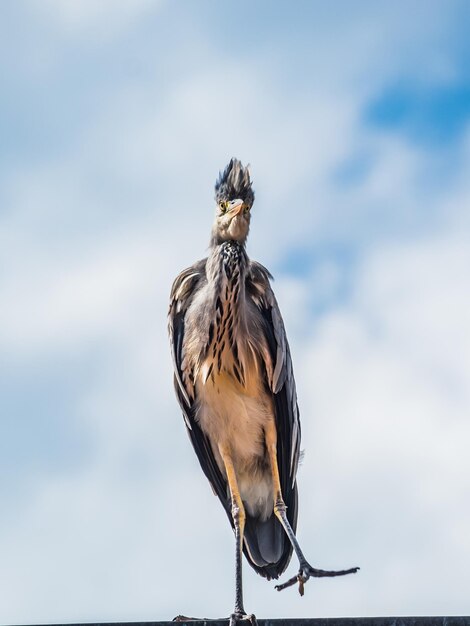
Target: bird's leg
(238, 515)
(305, 570)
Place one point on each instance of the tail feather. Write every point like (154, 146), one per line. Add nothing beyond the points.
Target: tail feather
(266, 546)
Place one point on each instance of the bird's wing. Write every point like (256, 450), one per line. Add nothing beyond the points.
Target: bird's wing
(182, 293)
(279, 377)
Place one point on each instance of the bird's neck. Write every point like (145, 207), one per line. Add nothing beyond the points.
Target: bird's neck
(227, 264)
(219, 239)
(226, 269)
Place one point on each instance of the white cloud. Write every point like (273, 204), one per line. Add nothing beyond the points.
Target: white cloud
(100, 20)
(382, 484)
(383, 383)
(384, 387)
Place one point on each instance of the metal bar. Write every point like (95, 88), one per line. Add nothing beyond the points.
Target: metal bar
(327, 621)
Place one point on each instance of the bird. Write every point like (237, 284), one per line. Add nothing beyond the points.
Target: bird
(234, 382)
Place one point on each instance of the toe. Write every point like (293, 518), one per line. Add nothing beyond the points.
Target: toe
(240, 619)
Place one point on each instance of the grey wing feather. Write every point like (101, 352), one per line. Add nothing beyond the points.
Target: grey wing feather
(183, 290)
(281, 383)
(182, 293)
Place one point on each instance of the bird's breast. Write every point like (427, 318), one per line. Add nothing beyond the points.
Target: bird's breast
(233, 405)
(235, 415)
(227, 353)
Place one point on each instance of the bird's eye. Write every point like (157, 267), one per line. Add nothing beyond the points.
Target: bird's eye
(223, 206)
(246, 210)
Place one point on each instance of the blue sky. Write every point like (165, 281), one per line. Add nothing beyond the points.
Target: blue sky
(115, 118)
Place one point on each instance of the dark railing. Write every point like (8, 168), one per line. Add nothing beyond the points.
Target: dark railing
(326, 621)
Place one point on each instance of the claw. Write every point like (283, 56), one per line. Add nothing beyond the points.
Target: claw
(307, 570)
(237, 618)
(288, 583)
(185, 618)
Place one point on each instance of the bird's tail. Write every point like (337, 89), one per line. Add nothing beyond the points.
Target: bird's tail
(266, 546)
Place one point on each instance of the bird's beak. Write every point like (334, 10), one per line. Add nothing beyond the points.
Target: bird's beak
(236, 208)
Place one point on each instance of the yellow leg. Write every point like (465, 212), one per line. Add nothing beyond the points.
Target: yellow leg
(270, 435)
(238, 515)
(306, 570)
(279, 504)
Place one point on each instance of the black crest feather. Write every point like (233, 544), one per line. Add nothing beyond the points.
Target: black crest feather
(234, 182)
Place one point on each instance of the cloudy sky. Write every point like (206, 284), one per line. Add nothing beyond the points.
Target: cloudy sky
(115, 118)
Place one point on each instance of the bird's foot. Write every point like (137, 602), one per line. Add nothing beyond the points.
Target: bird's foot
(306, 571)
(234, 620)
(185, 618)
(239, 618)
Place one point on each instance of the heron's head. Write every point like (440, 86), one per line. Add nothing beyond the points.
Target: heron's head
(234, 196)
